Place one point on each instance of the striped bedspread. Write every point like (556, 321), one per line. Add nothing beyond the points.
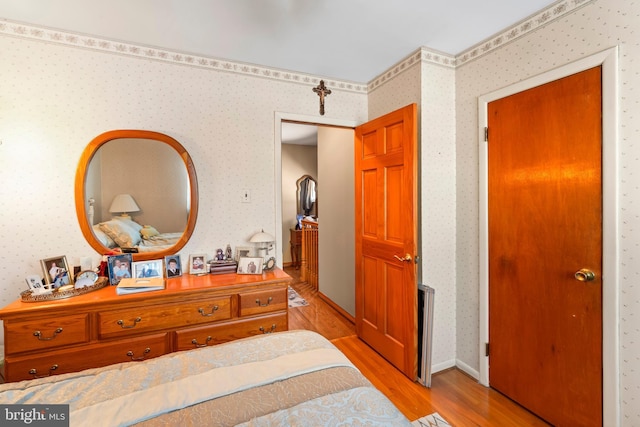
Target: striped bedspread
(294, 378)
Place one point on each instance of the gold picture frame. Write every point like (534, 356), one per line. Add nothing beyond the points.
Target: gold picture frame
(56, 272)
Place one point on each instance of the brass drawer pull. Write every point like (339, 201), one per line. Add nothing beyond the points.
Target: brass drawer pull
(273, 329)
(38, 335)
(34, 372)
(264, 305)
(146, 351)
(135, 322)
(213, 310)
(195, 342)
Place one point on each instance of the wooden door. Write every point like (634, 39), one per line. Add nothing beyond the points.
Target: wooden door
(386, 233)
(545, 224)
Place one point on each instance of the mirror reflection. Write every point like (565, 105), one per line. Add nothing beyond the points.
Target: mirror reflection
(138, 194)
(307, 196)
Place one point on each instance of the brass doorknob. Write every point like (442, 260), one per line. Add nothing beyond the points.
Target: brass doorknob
(406, 258)
(585, 275)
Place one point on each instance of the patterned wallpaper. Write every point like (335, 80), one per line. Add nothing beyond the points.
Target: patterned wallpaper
(563, 33)
(589, 29)
(56, 97)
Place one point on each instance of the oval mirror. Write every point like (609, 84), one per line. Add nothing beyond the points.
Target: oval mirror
(136, 190)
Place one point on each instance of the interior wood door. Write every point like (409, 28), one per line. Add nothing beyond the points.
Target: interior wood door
(386, 233)
(545, 226)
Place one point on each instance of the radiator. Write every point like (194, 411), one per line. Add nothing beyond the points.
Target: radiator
(425, 333)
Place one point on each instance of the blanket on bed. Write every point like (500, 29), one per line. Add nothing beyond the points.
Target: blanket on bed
(288, 378)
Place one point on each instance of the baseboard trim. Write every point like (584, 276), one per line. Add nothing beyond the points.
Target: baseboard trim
(458, 364)
(443, 366)
(336, 307)
(474, 373)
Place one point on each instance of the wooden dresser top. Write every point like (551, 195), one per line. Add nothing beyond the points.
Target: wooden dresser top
(176, 287)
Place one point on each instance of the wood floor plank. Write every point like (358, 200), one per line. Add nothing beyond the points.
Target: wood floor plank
(457, 397)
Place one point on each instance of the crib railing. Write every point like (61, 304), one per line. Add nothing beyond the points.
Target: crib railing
(309, 258)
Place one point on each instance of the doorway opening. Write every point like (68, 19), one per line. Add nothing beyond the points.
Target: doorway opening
(334, 151)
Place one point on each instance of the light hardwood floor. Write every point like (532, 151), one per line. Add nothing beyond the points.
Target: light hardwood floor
(453, 394)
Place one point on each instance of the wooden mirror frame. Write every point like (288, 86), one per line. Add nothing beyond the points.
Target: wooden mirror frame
(81, 174)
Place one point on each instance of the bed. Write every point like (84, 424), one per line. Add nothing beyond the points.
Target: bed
(286, 378)
(122, 232)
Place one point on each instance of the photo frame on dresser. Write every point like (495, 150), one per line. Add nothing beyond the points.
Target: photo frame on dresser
(198, 264)
(250, 265)
(35, 285)
(242, 251)
(56, 271)
(119, 267)
(151, 268)
(173, 266)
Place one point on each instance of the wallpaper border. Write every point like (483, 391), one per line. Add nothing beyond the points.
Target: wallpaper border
(82, 41)
(425, 55)
(421, 55)
(532, 23)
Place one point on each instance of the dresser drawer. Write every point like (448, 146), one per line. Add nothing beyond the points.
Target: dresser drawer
(91, 356)
(252, 303)
(188, 339)
(133, 321)
(45, 334)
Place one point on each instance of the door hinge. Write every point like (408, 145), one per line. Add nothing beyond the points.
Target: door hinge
(486, 134)
(486, 349)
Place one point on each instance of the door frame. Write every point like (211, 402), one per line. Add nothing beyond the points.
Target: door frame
(279, 117)
(608, 59)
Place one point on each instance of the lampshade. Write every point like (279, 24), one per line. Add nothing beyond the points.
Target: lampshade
(262, 237)
(123, 203)
(264, 241)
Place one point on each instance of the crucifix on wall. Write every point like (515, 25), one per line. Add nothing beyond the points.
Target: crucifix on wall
(322, 91)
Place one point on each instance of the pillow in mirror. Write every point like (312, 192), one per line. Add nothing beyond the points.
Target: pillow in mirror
(103, 238)
(148, 231)
(127, 220)
(123, 234)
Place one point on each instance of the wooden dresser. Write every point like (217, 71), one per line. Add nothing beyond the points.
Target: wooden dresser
(101, 328)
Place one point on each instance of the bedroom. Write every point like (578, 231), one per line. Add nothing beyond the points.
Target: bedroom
(57, 97)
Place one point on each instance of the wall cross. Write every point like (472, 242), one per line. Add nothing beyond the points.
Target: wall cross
(322, 91)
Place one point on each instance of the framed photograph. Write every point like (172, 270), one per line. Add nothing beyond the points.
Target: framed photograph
(56, 272)
(250, 265)
(35, 285)
(119, 267)
(198, 264)
(150, 268)
(173, 266)
(242, 252)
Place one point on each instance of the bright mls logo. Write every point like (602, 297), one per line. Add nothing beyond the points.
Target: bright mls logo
(34, 415)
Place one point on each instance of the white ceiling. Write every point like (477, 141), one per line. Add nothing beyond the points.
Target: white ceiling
(299, 134)
(353, 40)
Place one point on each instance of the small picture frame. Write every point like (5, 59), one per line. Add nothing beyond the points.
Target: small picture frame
(250, 265)
(56, 272)
(35, 285)
(173, 266)
(198, 264)
(145, 269)
(242, 251)
(119, 267)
